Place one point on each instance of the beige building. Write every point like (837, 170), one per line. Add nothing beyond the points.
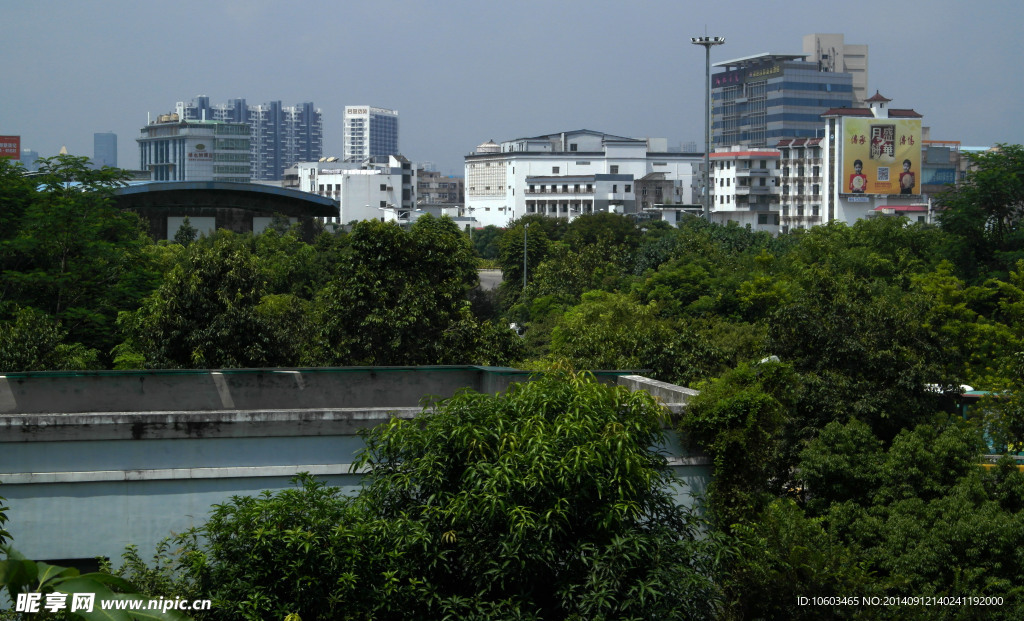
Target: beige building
(832, 53)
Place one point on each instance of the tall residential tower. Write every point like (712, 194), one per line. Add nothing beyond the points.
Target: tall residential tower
(280, 136)
(370, 132)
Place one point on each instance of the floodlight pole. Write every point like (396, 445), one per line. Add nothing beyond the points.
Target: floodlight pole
(707, 42)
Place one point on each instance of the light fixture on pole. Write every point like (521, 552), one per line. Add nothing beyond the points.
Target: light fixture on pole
(707, 42)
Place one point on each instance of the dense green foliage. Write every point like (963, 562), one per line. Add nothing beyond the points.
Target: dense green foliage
(829, 363)
(68, 253)
(546, 502)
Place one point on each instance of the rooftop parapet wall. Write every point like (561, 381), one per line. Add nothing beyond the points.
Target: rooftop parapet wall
(244, 389)
(93, 461)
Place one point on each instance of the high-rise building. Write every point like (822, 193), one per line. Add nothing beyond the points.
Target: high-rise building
(181, 150)
(280, 136)
(370, 132)
(29, 159)
(104, 149)
(831, 53)
(761, 99)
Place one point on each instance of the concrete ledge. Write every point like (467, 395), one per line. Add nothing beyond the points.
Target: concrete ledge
(170, 474)
(203, 424)
(671, 395)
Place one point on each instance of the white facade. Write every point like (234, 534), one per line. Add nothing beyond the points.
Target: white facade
(370, 132)
(363, 192)
(803, 183)
(745, 187)
(175, 150)
(566, 175)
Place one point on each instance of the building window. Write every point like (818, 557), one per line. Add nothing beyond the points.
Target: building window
(383, 187)
(383, 203)
(815, 210)
(614, 169)
(762, 218)
(572, 147)
(554, 170)
(629, 188)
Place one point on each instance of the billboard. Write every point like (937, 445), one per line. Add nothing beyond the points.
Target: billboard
(881, 156)
(10, 146)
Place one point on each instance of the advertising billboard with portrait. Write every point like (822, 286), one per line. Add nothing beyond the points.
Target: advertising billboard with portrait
(881, 156)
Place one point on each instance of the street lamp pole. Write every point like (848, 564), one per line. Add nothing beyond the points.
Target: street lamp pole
(707, 42)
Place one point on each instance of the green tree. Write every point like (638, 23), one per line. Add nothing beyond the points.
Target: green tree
(74, 255)
(535, 233)
(399, 297)
(275, 554)
(214, 310)
(33, 341)
(613, 233)
(861, 350)
(612, 331)
(984, 212)
(544, 502)
(186, 233)
(922, 514)
(740, 420)
(485, 241)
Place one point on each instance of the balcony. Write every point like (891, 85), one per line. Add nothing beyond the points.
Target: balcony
(758, 190)
(753, 172)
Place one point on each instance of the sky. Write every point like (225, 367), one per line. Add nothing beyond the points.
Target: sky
(460, 73)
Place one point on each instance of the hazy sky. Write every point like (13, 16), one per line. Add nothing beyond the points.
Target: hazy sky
(460, 73)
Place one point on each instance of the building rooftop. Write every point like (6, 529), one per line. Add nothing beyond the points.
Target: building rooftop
(894, 113)
(762, 57)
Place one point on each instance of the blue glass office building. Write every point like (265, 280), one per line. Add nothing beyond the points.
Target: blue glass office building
(759, 100)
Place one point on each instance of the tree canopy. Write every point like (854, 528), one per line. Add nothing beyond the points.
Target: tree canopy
(545, 502)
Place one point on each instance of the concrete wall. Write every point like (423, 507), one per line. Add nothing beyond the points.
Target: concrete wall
(91, 462)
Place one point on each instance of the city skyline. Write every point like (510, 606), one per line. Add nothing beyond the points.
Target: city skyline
(463, 73)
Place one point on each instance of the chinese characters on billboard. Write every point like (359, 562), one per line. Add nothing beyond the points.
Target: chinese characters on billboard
(881, 156)
(10, 146)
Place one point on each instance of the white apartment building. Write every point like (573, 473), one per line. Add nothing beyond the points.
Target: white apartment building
(370, 132)
(803, 189)
(364, 191)
(745, 187)
(871, 162)
(568, 174)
